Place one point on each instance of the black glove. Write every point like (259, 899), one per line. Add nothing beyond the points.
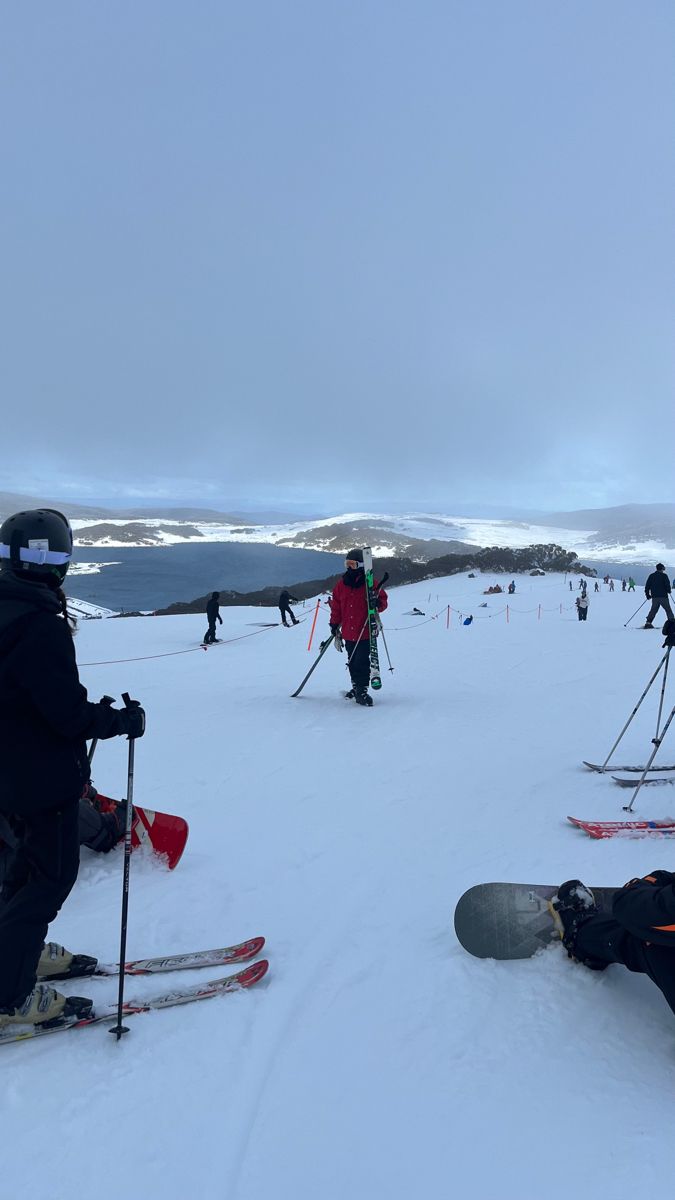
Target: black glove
(131, 720)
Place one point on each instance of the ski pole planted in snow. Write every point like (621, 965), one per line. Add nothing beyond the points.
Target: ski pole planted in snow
(635, 613)
(119, 1028)
(324, 646)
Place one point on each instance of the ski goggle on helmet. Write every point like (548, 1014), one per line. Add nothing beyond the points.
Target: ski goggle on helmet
(354, 560)
(36, 545)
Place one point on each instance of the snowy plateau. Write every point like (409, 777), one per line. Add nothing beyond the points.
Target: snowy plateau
(377, 1060)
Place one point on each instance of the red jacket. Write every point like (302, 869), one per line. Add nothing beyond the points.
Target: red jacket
(349, 609)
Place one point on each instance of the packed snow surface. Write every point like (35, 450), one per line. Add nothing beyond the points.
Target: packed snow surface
(377, 1060)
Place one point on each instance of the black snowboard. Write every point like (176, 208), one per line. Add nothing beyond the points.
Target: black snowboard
(511, 920)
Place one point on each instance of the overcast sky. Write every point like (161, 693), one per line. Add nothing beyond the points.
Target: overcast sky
(339, 251)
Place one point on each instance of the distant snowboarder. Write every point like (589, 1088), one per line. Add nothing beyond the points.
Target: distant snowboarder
(657, 589)
(285, 600)
(212, 615)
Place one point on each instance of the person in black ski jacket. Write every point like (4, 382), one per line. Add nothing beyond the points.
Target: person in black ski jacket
(212, 615)
(285, 599)
(657, 589)
(639, 932)
(45, 719)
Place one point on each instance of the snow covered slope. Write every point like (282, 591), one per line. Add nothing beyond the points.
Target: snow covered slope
(378, 1060)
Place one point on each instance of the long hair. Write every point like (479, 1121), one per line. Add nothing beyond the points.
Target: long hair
(69, 618)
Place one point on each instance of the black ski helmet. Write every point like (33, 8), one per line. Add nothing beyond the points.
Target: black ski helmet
(36, 545)
(354, 555)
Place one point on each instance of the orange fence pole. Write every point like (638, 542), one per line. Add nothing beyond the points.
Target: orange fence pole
(311, 635)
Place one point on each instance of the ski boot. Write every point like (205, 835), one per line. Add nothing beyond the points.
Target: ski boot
(570, 909)
(58, 963)
(351, 694)
(44, 1006)
(647, 625)
(362, 696)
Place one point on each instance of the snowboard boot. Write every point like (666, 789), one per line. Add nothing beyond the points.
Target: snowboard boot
(647, 625)
(44, 1006)
(570, 909)
(58, 963)
(362, 696)
(351, 694)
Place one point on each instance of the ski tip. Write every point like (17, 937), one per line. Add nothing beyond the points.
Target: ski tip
(252, 974)
(593, 766)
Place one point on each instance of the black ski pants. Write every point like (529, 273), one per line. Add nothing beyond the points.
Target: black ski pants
(358, 654)
(41, 873)
(657, 603)
(287, 612)
(604, 939)
(210, 635)
(583, 613)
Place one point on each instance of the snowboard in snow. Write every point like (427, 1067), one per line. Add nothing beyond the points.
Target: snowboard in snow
(511, 920)
(165, 834)
(660, 827)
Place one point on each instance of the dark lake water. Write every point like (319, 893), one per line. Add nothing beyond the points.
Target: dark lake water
(154, 577)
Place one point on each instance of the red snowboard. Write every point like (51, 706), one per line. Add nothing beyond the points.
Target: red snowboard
(163, 833)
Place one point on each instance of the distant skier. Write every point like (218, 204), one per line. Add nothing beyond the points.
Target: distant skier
(349, 620)
(212, 615)
(611, 585)
(596, 586)
(512, 587)
(570, 583)
(623, 585)
(582, 606)
(285, 600)
(639, 933)
(657, 589)
(631, 584)
(46, 718)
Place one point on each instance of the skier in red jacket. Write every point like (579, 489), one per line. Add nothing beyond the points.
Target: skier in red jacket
(349, 621)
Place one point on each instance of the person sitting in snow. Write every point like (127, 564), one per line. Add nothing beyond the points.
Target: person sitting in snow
(349, 620)
(639, 933)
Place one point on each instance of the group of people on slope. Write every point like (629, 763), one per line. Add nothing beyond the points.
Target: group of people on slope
(48, 806)
(45, 722)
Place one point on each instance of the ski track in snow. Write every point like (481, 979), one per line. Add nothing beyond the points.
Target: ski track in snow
(377, 1059)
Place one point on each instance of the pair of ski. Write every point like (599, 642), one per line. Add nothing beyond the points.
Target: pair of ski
(195, 960)
(660, 827)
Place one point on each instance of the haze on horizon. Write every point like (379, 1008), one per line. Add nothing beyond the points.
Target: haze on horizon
(312, 254)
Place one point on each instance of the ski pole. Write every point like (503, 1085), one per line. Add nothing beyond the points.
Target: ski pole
(324, 647)
(384, 640)
(657, 743)
(663, 692)
(107, 700)
(636, 612)
(119, 1028)
(663, 660)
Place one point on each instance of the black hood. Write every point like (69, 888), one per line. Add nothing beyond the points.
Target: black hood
(18, 598)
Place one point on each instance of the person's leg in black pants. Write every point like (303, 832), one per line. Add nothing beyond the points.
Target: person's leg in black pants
(40, 877)
(606, 941)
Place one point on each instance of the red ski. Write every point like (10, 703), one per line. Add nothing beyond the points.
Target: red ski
(661, 827)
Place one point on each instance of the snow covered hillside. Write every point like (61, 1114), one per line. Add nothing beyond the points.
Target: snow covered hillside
(377, 1061)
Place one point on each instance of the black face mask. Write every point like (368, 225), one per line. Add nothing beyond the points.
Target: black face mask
(354, 579)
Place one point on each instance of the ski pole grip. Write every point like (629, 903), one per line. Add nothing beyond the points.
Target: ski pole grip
(128, 702)
(107, 700)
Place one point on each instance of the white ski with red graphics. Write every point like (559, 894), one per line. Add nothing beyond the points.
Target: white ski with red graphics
(637, 770)
(85, 967)
(660, 827)
(371, 598)
(108, 1012)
